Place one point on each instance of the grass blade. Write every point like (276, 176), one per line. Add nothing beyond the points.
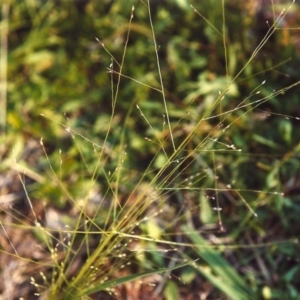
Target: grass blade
(220, 272)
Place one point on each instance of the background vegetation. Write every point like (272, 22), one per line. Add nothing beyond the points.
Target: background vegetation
(100, 199)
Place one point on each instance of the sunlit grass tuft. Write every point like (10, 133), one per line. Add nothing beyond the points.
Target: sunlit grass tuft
(176, 195)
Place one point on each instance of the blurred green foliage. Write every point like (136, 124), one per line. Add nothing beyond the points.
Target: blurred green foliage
(58, 67)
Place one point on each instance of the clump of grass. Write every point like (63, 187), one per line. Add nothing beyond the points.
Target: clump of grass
(138, 223)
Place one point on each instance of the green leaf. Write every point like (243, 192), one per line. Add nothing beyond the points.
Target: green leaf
(206, 212)
(285, 129)
(291, 273)
(219, 272)
(183, 4)
(111, 283)
(171, 291)
(267, 142)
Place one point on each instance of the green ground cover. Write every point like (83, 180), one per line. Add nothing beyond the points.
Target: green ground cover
(149, 149)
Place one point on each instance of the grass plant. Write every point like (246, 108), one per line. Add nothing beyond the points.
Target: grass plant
(169, 164)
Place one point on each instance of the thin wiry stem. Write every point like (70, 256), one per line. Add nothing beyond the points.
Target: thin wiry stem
(160, 77)
(224, 38)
